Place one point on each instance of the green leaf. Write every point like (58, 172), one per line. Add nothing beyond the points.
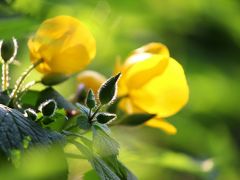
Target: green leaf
(54, 79)
(84, 139)
(102, 155)
(31, 114)
(59, 119)
(105, 117)
(30, 98)
(47, 120)
(91, 175)
(101, 168)
(82, 121)
(103, 144)
(128, 175)
(108, 91)
(90, 102)
(14, 127)
(83, 109)
(104, 172)
(50, 93)
(48, 107)
(122, 171)
(104, 127)
(136, 119)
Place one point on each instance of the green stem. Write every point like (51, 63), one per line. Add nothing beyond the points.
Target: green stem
(22, 78)
(94, 114)
(89, 114)
(5, 77)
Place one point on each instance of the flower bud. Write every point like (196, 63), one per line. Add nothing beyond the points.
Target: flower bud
(8, 51)
(108, 91)
(31, 114)
(48, 107)
(53, 79)
(152, 82)
(90, 101)
(64, 45)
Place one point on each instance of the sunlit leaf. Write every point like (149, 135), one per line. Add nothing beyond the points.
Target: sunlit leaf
(14, 128)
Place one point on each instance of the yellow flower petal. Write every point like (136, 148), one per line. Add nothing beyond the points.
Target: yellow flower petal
(153, 82)
(145, 52)
(143, 63)
(165, 94)
(64, 44)
(163, 125)
(67, 61)
(128, 106)
(144, 71)
(153, 48)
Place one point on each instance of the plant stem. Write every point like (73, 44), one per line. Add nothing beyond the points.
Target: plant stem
(90, 112)
(22, 78)
(5, 76)
(94, 114)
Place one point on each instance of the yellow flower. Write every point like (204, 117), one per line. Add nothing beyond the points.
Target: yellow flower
(64, 44)
(91, 80)
(153, 82)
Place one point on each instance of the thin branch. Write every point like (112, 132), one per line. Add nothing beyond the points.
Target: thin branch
(22, 78)
(5, 76)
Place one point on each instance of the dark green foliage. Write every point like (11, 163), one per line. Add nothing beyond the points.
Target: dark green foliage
(103, 127)
(47, 121)
(102, 153)
(14, 127)
(122, 171)
(55, 122)
(105, 117)
(83, 122)
(48, 107)
(107, 92)
(7, 50)
(50, 93)
(53, 79)
(103, 144)
(83, 109)
(103, 171)
(90, 100)
(31, 114)
(108, 149)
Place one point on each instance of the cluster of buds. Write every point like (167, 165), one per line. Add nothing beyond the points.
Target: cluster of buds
(6, 57)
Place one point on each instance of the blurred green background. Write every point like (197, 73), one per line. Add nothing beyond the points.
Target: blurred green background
(203, 35)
